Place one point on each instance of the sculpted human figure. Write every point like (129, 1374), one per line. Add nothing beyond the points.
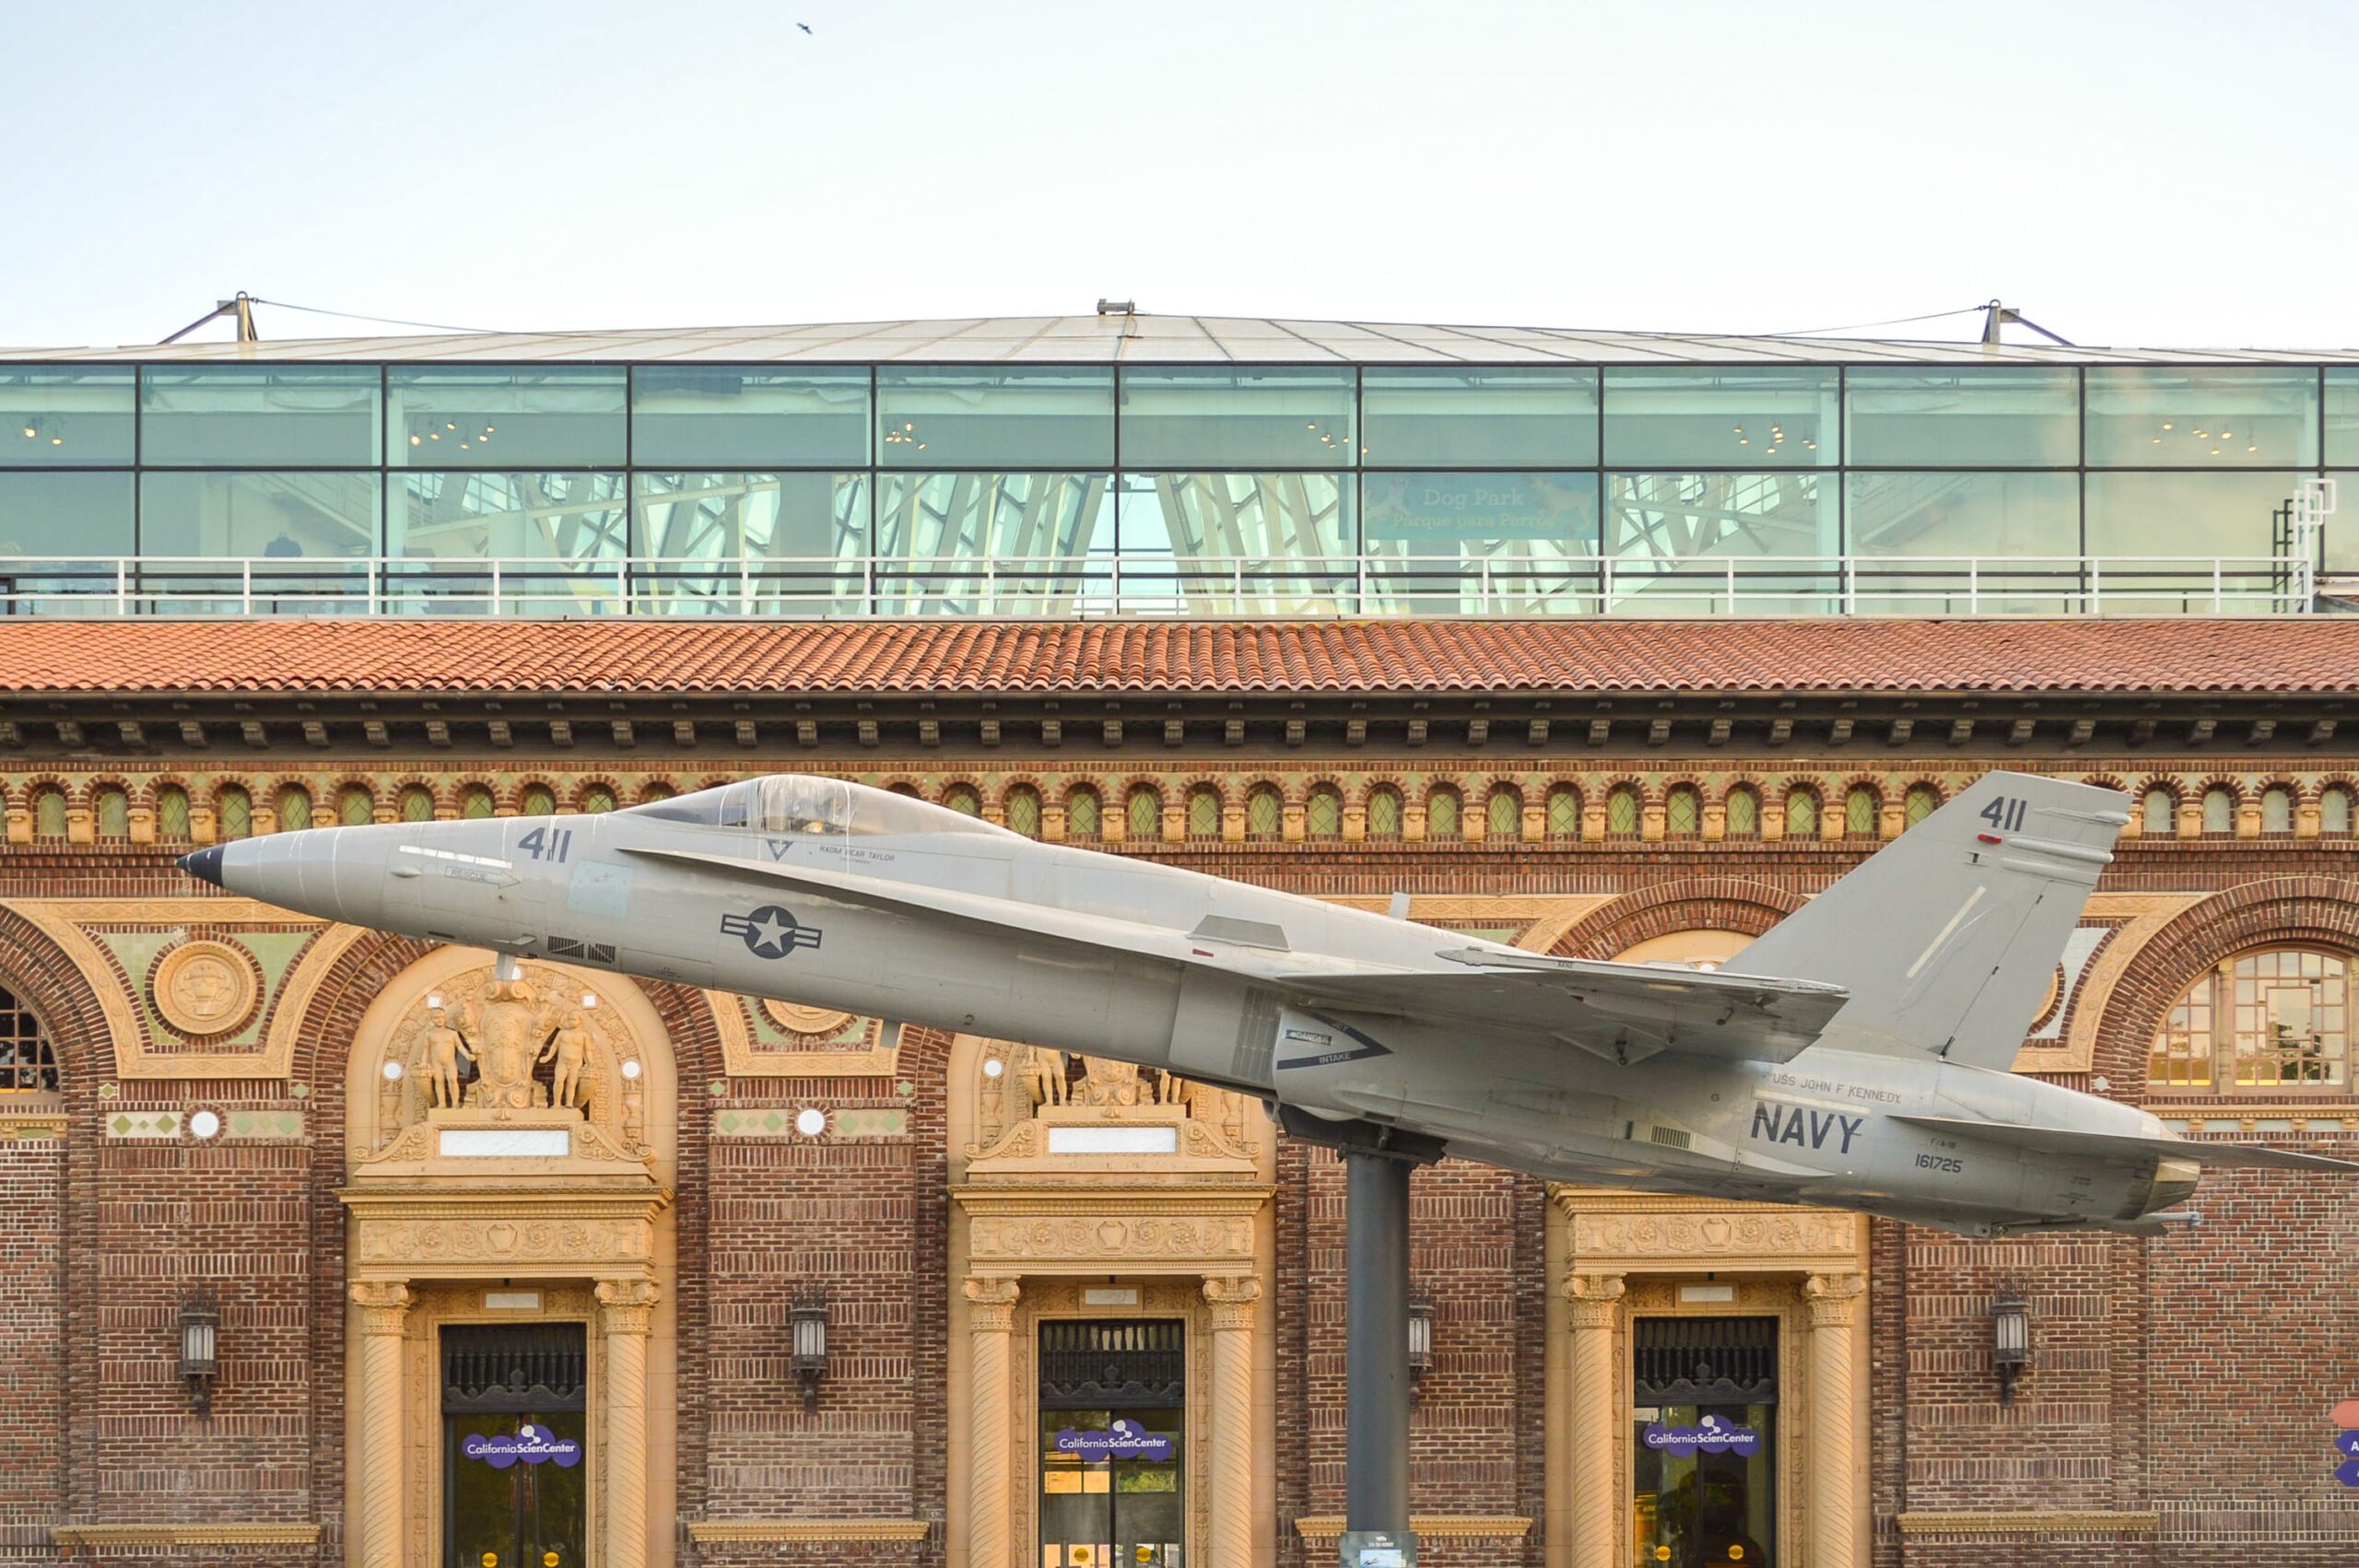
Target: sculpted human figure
(1044, 1077)
(445, 1047)
(569, 1048)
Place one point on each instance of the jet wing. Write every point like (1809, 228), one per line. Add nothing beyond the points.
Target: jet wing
(2061, 1140)
(1624, 1013)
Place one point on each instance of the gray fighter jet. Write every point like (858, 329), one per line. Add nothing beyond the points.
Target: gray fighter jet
(1856, 1056)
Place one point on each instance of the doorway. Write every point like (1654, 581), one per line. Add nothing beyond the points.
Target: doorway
(515, 1441)
(1703, 1437)
(1113, 1437)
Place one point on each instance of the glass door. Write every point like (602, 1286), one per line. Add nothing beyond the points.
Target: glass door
(1111, 1492)
(515, 1443)
(1114, 1443)
(1704, 1442)
(514, 1498)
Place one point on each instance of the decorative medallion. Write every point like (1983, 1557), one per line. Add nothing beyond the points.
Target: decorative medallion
(797, 1018)
(204, 988)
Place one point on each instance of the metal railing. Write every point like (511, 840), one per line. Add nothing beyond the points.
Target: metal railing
(1067, 587)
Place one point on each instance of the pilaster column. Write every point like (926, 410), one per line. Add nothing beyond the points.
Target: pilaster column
(1232, 1298)
(383, 1306)
(1594, 1424)
(626, 1317)
(991, 1320)
(1834, 1535)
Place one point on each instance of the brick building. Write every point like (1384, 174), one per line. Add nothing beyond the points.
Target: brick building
(212, 1110)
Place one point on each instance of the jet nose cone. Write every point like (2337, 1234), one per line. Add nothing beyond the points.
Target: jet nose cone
(204, 864)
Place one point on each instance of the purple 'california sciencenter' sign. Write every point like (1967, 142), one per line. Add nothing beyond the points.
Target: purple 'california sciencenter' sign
(1710, 1436)
(1127, 1440)
(532, 1444)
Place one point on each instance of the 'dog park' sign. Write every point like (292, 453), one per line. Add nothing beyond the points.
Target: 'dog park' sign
(531, 1445)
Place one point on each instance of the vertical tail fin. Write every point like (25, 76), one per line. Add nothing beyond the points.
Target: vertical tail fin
(1947, 938)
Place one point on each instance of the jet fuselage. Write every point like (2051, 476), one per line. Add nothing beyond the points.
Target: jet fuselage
(675, 898)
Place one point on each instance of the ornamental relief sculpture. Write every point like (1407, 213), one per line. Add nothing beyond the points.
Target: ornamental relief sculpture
(484, 1050)
(1141, 1238)
(204, 989)
(495, 1241)
(1024, 1089)
(1679, 1236)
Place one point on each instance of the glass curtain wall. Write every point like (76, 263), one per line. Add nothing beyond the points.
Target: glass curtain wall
(1189, 489)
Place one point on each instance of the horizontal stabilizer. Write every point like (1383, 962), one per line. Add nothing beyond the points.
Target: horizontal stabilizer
(2071, 1140)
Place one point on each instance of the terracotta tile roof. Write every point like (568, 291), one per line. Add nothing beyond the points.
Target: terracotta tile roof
(2319, 655)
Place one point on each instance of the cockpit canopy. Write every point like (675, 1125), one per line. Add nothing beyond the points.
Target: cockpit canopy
(799, 806)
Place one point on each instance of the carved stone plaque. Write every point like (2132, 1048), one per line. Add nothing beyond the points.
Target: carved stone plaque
(205, 988)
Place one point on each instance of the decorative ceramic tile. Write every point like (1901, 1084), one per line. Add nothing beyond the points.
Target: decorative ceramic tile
(275, 1125)
(875, 1123)
(144, 1124)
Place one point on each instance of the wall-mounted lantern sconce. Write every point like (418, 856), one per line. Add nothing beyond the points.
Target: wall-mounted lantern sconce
(809, 1362)
(200, 1347)
(2010, 1338)
(1421, 1344)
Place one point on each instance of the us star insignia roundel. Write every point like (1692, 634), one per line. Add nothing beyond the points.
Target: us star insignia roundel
(769, 931)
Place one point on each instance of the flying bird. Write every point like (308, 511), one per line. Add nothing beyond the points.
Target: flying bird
(807, 28)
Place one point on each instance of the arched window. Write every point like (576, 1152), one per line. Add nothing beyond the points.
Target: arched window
(1384, 812)
(1323, 816)
(2277, 809)
(1744, 813)
(1264, 812)
(1142, 814)
(536, 799)
(1621, 811)
(1441, 813)
(1203, 813)
(596, 798)
(352, 806)
(2334, 809)
(294, 808)
(2276, 1019)
(1503, 813)
(235, 810)
(1564, 811)
(27, 1065)
(416, 803)
(1859, 812)
(1082, 813)
(475, 800)
(1801, 813)
(2159, 808)
(1683, 811)
(1921, 801)
(901, 787)
(962, 798)
(2219, 810)
(48, 813)
(658, 790)
(171, 814)
(1024, 811)
(111, 810)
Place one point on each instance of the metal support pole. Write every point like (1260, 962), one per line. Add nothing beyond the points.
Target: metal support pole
(1375, 1330)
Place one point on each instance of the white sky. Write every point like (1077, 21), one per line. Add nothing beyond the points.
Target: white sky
(2157, 173)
